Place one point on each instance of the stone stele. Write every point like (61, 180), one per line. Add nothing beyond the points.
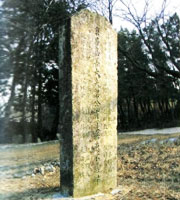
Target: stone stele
(88, 105)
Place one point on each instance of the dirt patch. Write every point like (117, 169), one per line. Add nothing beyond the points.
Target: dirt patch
(149, 171)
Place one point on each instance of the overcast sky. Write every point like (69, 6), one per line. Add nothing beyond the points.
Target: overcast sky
(154, 8)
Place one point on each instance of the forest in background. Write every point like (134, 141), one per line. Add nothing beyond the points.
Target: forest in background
(148, 68)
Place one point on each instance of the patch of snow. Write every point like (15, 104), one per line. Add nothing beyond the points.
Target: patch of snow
(115, 191)
(60, 196)
(172, 140)
(152, 141)
(7, 146)
(154, 131)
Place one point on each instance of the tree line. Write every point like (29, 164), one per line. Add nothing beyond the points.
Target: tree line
(148, 69)
(148, 96)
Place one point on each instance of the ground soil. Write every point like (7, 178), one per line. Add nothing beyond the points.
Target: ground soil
(145, 171)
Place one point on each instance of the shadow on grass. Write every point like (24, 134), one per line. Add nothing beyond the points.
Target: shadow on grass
(31, 194)
(24, 169)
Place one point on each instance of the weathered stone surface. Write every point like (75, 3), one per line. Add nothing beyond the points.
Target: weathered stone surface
(88, 105)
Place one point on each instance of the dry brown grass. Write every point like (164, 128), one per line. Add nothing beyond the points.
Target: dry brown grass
(153, 170)
(144, 172)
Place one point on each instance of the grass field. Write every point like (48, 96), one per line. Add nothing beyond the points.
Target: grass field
(145, 171)
(153, 170)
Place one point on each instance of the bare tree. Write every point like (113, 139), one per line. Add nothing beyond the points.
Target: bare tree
(103, 7)
(164, 27)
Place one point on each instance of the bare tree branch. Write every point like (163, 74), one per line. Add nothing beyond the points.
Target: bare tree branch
(145, 26)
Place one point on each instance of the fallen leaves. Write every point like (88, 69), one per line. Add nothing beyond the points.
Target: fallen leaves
(153, 170)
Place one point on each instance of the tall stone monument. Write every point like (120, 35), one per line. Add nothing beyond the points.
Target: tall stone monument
(88, 105)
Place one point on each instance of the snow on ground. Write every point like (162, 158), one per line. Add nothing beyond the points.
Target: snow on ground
(154, 131)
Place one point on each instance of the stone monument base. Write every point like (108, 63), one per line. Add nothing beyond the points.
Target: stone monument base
(59, 196)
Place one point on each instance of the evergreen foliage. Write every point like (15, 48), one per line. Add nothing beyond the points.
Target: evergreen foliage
(31, 39)
(148, 70)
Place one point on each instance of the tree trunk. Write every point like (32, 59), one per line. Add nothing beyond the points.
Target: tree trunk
(5, 133)
(136, 116)
(24, 122)
(128, 111)
(55, 124)
(33, 130)
(39, 126)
